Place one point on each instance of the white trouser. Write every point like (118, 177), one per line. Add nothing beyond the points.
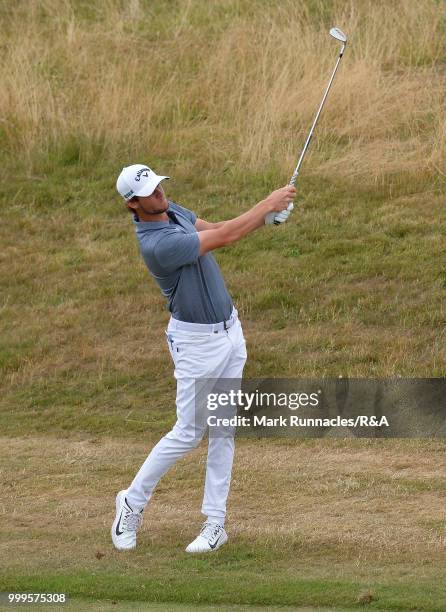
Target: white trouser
(196, 355)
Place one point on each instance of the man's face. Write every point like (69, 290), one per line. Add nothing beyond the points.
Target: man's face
(154, 204)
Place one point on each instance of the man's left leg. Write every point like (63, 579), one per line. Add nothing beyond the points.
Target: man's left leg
(220, 458)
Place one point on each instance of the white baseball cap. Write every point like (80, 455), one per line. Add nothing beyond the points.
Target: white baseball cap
(137, 180)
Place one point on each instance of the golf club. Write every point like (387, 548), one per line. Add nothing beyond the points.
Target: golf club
(339, 35)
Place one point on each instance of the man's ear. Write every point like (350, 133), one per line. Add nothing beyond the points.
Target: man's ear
(132, 204)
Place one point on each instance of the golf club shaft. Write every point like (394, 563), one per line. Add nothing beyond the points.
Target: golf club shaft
(307, 143)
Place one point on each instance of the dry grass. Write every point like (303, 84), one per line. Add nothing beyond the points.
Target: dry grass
(357, 502)
(233, 83)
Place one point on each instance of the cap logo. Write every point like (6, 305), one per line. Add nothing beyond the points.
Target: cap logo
(143, 172)
(129, 193)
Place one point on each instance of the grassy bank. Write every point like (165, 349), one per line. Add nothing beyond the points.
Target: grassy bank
(220, 95)
(354, 286)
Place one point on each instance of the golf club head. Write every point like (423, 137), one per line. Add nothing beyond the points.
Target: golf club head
(338, 34)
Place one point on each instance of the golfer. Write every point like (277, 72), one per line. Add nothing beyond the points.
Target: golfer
(204, 336)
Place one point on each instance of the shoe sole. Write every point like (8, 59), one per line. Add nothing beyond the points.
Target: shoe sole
(115, 522)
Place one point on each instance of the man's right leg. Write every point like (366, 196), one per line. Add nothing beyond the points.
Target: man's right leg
(184, 436)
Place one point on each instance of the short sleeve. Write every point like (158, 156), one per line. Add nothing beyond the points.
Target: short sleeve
(177, 249)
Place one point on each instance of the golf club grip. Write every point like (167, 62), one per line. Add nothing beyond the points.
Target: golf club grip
(293, 179)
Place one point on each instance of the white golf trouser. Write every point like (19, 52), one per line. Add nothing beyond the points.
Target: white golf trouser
(196, 355)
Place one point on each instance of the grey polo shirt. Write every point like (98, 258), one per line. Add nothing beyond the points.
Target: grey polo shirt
(193, 284)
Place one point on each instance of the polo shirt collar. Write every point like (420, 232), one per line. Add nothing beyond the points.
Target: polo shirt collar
(142, 226)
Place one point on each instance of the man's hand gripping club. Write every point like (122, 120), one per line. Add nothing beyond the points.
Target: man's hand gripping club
(283, 195)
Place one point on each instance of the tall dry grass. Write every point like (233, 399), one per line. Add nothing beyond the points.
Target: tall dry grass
(229, 83)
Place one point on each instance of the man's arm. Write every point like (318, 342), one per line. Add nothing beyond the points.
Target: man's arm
(201, 224)
(235, 229)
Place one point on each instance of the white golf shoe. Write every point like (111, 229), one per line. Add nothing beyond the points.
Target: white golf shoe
(126, 523)
(212, 536)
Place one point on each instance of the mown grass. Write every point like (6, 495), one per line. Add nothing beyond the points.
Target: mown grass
(221, 589)
(76, 603)
(220, 95)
